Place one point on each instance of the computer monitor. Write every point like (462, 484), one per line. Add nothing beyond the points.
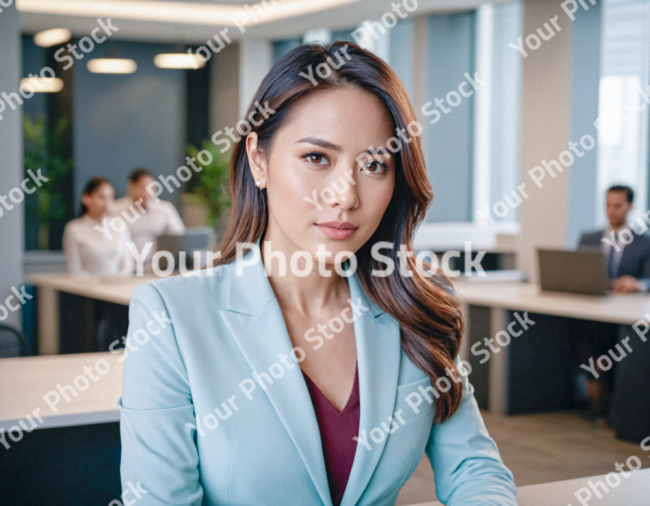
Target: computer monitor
(190, 241)
(583, 271)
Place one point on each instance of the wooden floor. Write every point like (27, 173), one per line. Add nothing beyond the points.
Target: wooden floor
(541, 448)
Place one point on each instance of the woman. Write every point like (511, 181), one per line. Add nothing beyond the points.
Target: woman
(90, 244)
(258, 386)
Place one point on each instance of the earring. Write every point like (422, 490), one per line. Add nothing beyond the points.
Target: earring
(257, 183)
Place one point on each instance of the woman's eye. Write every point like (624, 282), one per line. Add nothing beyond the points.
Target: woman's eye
(375, 167)
(316, 158)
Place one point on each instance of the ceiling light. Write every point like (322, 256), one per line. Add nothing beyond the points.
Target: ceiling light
(178, 61)
(52, 37)
(41, 84)
(112, 66)
(180, 12)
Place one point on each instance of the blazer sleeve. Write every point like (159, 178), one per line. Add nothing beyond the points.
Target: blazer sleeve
(159, 452)
(467, 467)
(644, 281)
(584, 240)
(592, 239)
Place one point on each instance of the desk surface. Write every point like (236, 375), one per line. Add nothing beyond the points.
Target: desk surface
(109, 289)
(632, 491)
(25, 381)
(620, 308)
(623, 308)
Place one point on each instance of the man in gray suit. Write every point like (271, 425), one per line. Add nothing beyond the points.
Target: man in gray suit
(626, 247)
(627, 250)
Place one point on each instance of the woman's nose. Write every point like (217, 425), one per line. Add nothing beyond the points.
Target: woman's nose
(345, 191)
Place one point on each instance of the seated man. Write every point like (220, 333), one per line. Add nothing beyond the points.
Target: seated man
(627, 250)
(147, 218)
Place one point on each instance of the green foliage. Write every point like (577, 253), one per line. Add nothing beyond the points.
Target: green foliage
(212, 187)
(47, 152)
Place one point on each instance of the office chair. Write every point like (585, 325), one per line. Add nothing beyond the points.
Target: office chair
(12, 342)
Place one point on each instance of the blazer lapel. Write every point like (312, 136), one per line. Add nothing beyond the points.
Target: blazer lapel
(378, 358)
(254, 318)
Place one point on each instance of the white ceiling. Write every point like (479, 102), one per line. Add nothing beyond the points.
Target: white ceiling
(341, 17)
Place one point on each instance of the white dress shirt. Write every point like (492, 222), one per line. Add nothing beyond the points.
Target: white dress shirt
(159, 219)
(90, 251)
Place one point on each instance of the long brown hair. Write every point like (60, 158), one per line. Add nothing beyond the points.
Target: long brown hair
(429, 315)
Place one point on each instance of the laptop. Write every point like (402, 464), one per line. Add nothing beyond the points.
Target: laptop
(583, 271)
(190, 241)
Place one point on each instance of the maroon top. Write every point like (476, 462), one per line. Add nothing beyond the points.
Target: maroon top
(337, 431)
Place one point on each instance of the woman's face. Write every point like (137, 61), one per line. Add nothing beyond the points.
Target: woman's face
(322, 191)
(97, 202)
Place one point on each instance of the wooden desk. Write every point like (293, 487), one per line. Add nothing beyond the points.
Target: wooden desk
(110, 289)
(621, 308)
(632, 491)
(25, 381)
(533, 373)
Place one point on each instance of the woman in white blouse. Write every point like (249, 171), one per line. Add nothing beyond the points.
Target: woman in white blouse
(91, 245)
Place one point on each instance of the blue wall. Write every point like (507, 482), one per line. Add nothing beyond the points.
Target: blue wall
(123, 121)
(585, 82)
(282, 47)
(401, 53)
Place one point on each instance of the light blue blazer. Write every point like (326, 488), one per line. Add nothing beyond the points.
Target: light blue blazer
(192, 436)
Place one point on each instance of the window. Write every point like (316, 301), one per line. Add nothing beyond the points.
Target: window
(497, 113)
(623, 132)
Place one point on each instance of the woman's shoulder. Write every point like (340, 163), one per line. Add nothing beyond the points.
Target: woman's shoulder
(193, 287)
(76, 222)
(76, 225)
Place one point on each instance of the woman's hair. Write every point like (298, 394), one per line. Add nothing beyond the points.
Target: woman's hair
(92, 186)
(428, 314)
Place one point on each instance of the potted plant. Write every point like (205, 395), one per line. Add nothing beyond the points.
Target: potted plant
(210, 187)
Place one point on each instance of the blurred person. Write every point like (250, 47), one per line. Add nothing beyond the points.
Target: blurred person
(229, 401)
(628, 265)
(89, 251)
(146, 217)
(628, 268)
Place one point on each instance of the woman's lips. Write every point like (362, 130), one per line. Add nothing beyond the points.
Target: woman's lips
(337, 230)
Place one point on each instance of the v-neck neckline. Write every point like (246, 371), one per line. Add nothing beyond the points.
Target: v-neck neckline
(318, 391)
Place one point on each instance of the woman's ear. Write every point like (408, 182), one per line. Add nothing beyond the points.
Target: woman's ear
(256, 161)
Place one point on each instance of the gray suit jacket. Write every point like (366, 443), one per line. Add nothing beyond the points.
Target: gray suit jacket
(635, 259)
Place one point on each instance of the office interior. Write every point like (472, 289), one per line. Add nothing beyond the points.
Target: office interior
(519, 83)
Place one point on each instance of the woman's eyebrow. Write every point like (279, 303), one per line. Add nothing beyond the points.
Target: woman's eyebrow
(380, 151)
(320, 142)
